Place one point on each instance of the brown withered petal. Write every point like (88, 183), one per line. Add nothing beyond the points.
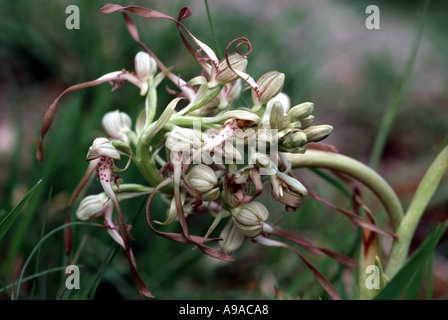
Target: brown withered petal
(184, 13)
(51, 111)
(184, 237)
(311, 247)
(354, 218)
(323, 281)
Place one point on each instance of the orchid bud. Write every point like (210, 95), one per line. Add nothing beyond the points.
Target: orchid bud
(276, 116)
(299, 139)
(182, 139)
(226, 74)
(294, 139)
(122, 147)
(202, 177)
(232, 239)
(297, 113)
(93, 206)
(317, 133)
(306, 122)
(269, 85)
(249, 218)
(145, 66)
(283, 98)
(102, 147)
(117, 124)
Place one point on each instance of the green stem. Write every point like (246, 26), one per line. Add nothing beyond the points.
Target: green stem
(392, 109)
(151, 103)
(218, 47)
(209, 96)
(358, 171)
(367, 176)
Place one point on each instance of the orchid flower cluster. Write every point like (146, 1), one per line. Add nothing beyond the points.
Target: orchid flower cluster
(210, 156)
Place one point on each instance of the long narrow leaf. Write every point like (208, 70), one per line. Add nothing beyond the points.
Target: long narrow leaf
(398, 284)
(11, 217)
(37, 246)
(425, 191)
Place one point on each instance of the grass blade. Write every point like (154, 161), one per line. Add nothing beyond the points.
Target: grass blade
(45, 238)
(391, 111)
(32, 277)
(11, 217)
(42, 234)
(422, 196)
(406, 276)
(90, 292)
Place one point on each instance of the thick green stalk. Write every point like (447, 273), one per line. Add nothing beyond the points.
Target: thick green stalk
(357, 170)
(209, 96)
(151, 103)
(212, 29)
(367, 176)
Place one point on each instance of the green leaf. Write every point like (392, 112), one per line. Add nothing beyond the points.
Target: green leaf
(425, 191)
(407, 275)
(11, 217)
(40, 243)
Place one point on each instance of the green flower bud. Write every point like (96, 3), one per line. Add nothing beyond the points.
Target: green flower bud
(117, 124)
(294, 139)
(281, 99)
(318, 133)
(202, 177)
(102, 147)
(93, 206)
(145, 66)
(299, 112)
(277, 116)
(232, 239)
(306, 122)
(122, 147)
(249, 218)
(237, 61)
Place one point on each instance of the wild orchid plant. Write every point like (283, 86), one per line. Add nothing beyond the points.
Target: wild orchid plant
(212, 156)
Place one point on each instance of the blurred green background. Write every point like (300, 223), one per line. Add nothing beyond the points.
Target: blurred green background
(329, 57)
